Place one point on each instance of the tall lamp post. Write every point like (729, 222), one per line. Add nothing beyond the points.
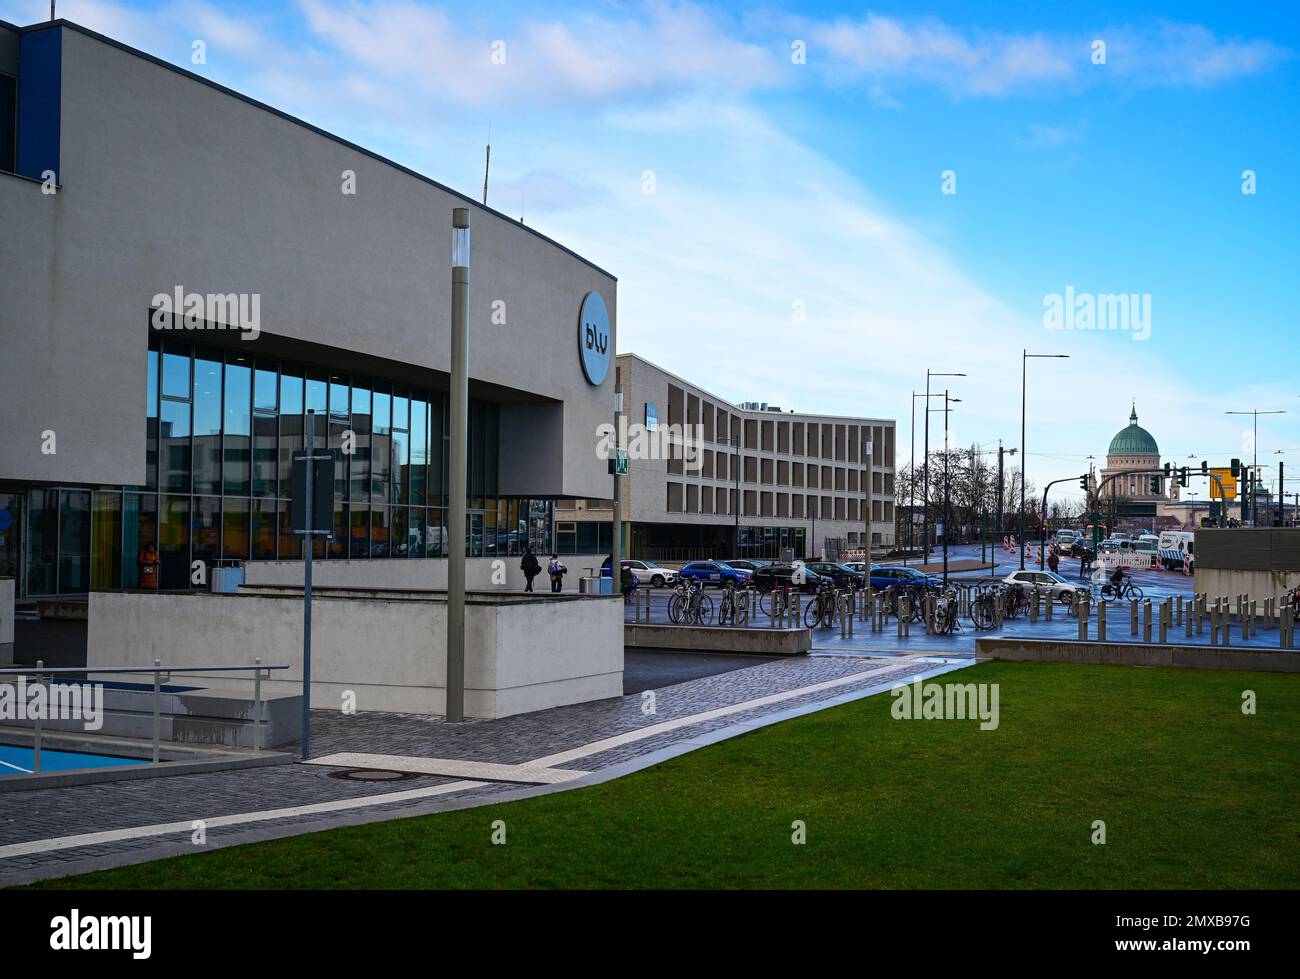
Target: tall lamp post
(925, 495)
(947, 514)
(1024, 360)
(459, 398)
(1254, 467)
(735, 465)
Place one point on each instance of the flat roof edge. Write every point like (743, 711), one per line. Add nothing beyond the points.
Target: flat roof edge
(95, 35)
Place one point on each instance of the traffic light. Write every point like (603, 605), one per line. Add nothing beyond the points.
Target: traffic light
(1166, 470)
(1155, 484)
(1182, 476)
(1083, 483)
(1205, 468)
(1236, 468)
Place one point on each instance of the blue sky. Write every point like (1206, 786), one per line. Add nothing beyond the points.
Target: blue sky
(797, 247)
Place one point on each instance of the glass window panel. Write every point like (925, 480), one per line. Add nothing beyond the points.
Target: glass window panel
(436, 485)
(435, 533)
(381, 468)
(380, 537)
(263, 530)
(338, 544)
(176, 375)
(340, 398)
(206, 543)
(416, 535)
(291, 425)
(265, 389)
(401, 412)
(383, 413)
(400, 467)
(398, 537)
(42, 542)
(174, 543)
(74, 541)
(265, 462)
(151, 423)
(234, 530)
(360, 533)
(140, 527)
(106, 551)
(419, 451)
(359, 461)
(207, 426)
(290, 546)
(474, 533)
(238, 428)
(174, 447)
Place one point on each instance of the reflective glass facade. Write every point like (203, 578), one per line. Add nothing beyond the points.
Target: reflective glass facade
(222, 427)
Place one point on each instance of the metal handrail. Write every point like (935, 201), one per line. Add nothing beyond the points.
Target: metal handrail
(261, 671)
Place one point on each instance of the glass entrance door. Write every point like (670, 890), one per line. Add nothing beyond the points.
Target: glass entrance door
(11, 522)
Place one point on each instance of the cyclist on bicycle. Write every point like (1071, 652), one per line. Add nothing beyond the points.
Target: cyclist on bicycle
(1117, 579)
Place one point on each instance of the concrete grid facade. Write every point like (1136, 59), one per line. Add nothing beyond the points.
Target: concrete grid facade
(799, 473)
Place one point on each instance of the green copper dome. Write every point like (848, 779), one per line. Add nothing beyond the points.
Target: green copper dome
(1133, 440)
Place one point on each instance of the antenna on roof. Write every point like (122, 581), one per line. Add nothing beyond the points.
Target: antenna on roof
(52, 10)
(487, 164)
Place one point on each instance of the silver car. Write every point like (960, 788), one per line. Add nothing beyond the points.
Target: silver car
(1062, 590)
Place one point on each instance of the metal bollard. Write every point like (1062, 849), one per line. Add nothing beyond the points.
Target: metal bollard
(36, 721)
(1214, 624)
(1033, 606)
(1166, 614)
(1254, 618)
(1146, 621)
(1132, 616)
(1225, 621)
(1201, 604)
(1187, 622)
(1179, 613)
(1101, 615)
(1083, 620)
(1050, 603)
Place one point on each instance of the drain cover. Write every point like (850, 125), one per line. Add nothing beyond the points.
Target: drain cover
(373, 775)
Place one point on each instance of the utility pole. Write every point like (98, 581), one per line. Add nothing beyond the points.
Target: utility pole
(615, 550)
(869, 450)
(458, 464)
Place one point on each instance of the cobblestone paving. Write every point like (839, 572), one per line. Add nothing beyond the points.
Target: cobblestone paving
(49, 813)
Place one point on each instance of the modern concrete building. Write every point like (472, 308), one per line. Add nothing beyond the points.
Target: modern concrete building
(726, 480)
(185, 273)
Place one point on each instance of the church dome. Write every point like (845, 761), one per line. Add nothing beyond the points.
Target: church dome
(1133, 440)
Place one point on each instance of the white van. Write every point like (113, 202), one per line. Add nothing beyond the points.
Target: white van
(1174, 546)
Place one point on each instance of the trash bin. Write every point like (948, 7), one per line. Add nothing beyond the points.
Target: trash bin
(226, 580)
(591, 584)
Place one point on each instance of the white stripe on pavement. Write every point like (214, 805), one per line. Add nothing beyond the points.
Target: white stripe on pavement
(596, 747)
(236, 819)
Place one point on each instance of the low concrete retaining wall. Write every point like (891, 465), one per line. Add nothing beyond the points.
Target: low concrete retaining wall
(421, 574)
(383, 651)
(1136, 654)
(704, 639)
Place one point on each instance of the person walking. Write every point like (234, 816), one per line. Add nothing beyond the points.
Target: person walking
(531, 568)
(1053, 562)
(557, 572)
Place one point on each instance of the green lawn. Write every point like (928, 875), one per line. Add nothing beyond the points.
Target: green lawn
(1193, 794)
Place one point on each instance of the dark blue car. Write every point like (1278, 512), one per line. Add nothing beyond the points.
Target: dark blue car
(715, 573)
(890, 575)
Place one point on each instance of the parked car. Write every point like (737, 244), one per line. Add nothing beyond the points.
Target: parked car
(645, 572)
(1063, 591)
(890, 575)
(764, 579)
(715, 573)
(843, 575)
(750, 564)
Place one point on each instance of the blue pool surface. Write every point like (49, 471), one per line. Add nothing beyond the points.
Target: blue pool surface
(20, 761)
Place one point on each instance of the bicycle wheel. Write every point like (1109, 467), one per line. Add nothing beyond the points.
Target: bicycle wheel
(1135, 592)
(812, 615)
(676, 606)
(981, 614)
(704, 611)
(1108, 592)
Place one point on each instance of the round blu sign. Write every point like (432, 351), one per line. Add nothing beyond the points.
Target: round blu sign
(593, 338)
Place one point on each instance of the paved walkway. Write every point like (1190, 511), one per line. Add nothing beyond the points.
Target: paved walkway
(51, 832)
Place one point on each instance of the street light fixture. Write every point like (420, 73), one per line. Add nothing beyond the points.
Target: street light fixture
(925, 495)
(458, 462)
(1024, 361)
(1254, 468)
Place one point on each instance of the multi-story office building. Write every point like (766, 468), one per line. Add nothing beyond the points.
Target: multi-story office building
(322, 277)
(752, 480)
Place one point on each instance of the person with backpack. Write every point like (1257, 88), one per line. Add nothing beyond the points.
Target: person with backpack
(1053, 562)
(557, 572)
(531, 568)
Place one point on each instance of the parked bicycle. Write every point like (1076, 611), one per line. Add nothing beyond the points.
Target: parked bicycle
(689, 605)
(733, 606)
(820, 613)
